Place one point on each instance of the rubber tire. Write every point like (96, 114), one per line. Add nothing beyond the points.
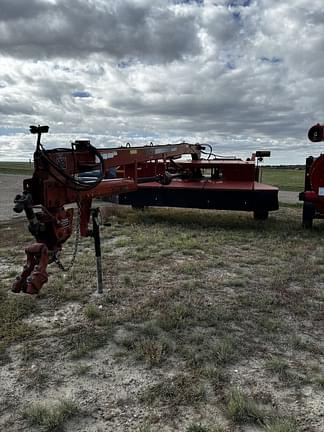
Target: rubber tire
(260, 214)
(308, 215)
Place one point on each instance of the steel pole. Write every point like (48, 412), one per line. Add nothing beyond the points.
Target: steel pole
(96, 237)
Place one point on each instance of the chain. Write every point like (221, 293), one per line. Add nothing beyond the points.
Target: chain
(76, 244)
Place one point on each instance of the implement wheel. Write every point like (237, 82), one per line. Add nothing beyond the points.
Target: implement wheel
(260, 214)
(308, 215)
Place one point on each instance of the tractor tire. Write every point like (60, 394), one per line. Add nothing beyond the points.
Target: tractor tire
(260, 214)
(308, 215)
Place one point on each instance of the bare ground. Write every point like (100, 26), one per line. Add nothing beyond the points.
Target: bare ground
(209, 321)
(197, 306)
(10, 186)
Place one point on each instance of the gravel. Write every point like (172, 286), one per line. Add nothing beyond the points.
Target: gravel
(10, 186)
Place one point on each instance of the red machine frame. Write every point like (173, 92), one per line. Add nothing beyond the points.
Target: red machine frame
(221, 183)
(76, 175)
(313, 194)
(148, 175)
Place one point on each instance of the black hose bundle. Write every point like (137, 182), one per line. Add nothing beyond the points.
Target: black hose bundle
(73, 182)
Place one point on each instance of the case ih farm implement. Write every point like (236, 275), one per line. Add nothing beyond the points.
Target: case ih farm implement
(140, 176)
(313, 195)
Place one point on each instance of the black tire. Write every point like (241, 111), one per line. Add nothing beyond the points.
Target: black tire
(308, 215)
(260, 214)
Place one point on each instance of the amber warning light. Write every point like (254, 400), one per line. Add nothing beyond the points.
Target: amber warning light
(316, 133)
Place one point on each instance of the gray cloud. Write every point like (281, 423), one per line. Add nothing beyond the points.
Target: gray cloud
(239, 74)
(11, 10)
(119, 29)
(15, 107)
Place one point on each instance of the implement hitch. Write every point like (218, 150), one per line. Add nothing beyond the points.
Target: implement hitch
(64, 177)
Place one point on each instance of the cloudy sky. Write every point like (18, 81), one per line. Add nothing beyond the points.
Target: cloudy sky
(241, 75)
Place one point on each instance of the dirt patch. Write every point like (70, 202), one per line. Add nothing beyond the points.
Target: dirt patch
(289, 197)
(209, 321)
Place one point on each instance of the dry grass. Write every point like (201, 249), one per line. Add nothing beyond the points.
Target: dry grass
(199, 304)
(50, 416)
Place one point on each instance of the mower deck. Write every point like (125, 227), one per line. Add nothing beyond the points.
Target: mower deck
(205, 194)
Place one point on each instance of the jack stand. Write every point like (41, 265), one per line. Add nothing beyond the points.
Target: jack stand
(96, 237)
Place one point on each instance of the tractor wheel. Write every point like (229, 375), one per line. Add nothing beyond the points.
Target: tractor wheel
(308, 215)
(260, 214)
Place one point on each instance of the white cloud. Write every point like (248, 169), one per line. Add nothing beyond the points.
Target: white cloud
(241, 74)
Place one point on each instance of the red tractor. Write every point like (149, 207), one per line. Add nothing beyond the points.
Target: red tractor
(313, 195)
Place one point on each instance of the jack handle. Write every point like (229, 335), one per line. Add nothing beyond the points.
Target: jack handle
(24, 203)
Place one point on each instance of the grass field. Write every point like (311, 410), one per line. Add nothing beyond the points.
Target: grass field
(16, 168)
(284, 178)
(209, 322)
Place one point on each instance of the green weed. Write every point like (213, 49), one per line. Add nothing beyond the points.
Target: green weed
(50, 416)
(178, 390)
(152, 351)
(279, 366)
(243, 409)
(12, 311)
(177, 316)
(92, 312)
(81, 369)
(318, 379)
(85, 342)
(281, 425)
(200, 428)
(197, 428)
